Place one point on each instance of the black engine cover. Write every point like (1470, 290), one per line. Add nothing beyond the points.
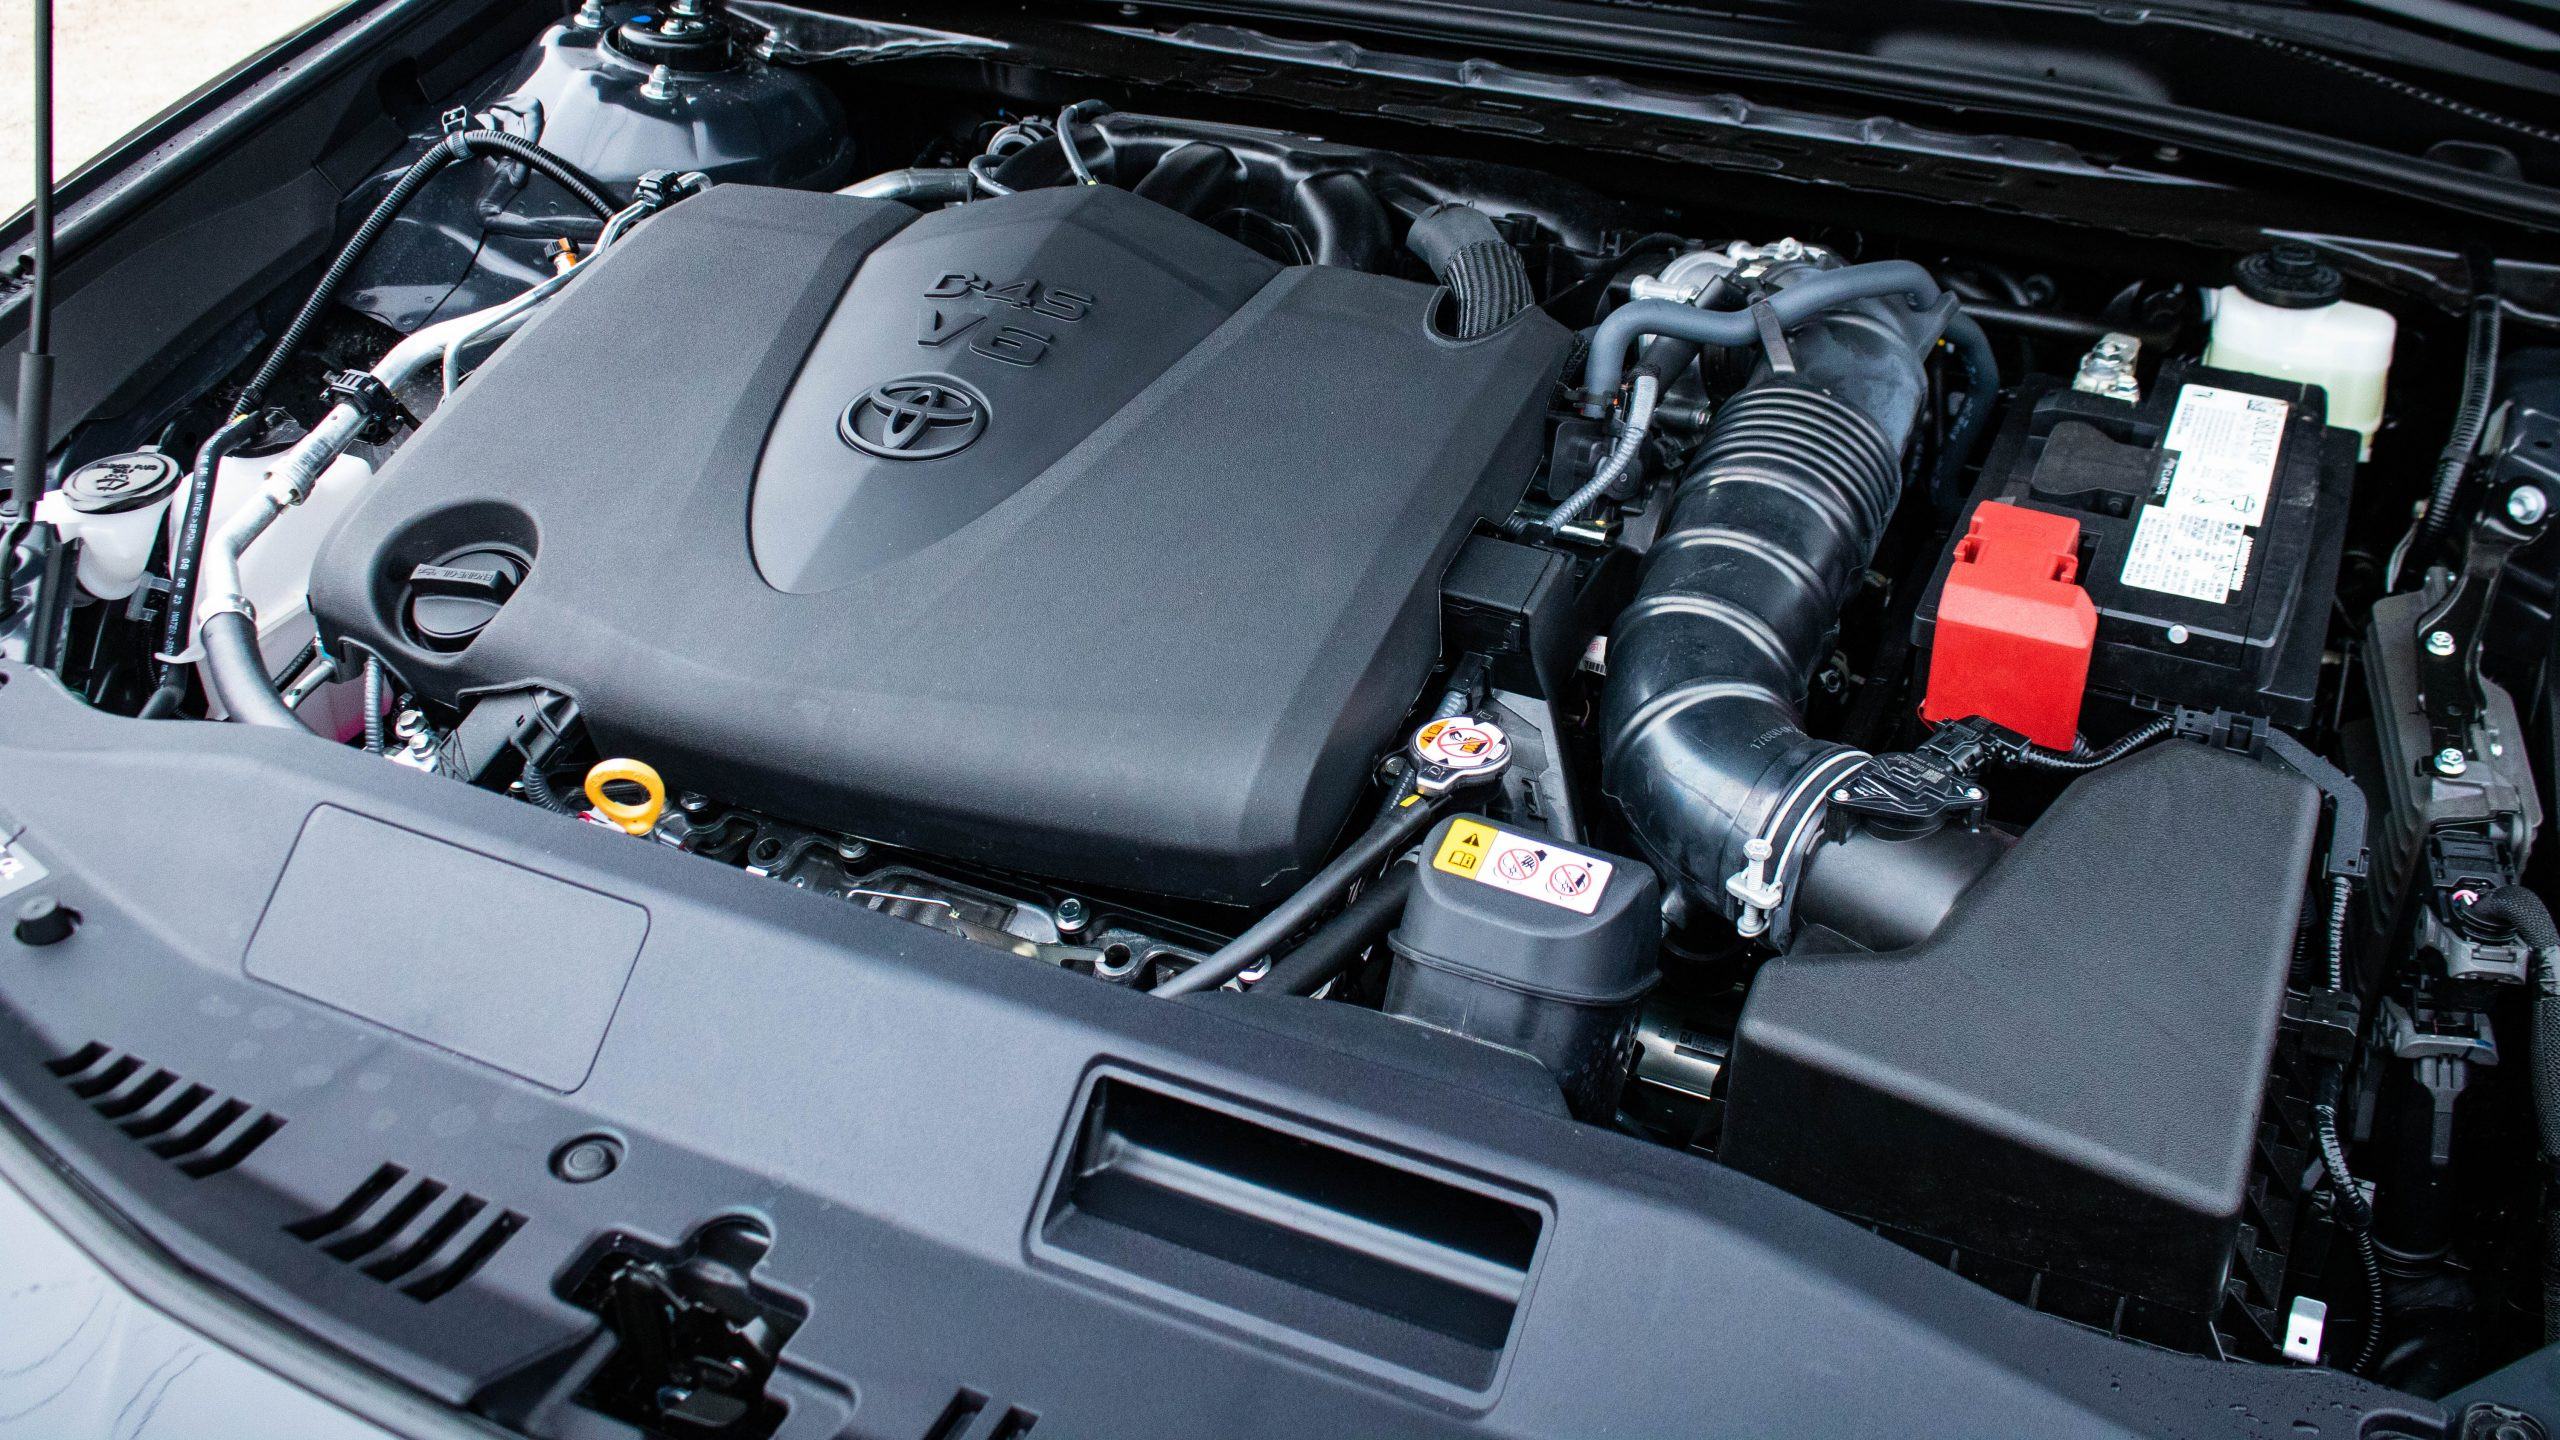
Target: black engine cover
(1057, 532)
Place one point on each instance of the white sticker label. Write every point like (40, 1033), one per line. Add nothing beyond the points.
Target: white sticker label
(18, 869)
(2191, 555)
(2224, 446)
(1523, 865)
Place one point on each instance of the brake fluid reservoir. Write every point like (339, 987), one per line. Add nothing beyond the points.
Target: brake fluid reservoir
(2284, 320)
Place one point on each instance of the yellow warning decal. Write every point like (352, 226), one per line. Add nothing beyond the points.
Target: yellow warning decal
(1530, 866)
(1463, 850)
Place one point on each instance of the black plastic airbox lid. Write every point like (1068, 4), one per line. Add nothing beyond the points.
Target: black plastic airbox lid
(1144, 627)
(2068, 1074)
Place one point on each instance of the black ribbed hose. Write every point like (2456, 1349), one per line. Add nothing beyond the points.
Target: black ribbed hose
(2470, 419)
(443, 154)
(1484, 274)
(1768, 536)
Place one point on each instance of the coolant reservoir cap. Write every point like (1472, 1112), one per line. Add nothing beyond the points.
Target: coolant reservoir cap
(120, 482)
(2291, 276)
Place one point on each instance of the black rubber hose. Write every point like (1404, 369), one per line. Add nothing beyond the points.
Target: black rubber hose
(1768, 536)
(192, 523)
(2517, 911)
(237, 676)
(1392, 832)
(1330, 951)
(2470, 418)
(1794, 304)
(443, 154)
(1483, 272)
(1981, 388)
(1884, 281)
(2038, 757)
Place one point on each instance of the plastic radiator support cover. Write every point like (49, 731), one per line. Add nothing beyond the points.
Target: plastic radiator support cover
(1056, 532)
(2067, 1075)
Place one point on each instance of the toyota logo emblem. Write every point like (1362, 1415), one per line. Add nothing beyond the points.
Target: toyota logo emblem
(918, 417)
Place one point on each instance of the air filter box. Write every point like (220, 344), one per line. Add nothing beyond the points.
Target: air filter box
(2067, 1076)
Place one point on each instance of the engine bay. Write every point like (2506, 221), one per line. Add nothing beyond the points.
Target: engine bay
(2034, 747)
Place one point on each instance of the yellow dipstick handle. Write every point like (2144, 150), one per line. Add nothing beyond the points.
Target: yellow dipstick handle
(635, 818)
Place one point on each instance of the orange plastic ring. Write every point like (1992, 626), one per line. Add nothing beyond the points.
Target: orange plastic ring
(635, 818)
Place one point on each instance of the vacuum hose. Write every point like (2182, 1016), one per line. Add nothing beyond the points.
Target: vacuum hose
(1768, 535)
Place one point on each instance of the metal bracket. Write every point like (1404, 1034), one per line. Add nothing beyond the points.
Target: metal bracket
(2448, 635)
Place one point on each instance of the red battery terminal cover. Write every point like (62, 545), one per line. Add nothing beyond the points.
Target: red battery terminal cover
(2014, 627)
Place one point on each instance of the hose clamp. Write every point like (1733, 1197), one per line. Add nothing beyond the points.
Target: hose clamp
(1773, 855)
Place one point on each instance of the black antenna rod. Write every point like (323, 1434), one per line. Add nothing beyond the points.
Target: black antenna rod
(35, 368)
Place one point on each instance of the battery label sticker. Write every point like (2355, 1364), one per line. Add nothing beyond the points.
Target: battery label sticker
(2225, 445)
(2191, 555)
(18, 869)
(1523, 865)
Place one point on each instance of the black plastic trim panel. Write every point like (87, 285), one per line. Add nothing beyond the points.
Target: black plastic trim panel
(891, 1104)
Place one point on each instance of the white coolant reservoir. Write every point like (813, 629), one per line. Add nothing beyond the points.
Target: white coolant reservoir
(113, 508)
(275, 573)
(2284, 320)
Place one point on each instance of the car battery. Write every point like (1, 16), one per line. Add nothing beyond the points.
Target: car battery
(2211, 513)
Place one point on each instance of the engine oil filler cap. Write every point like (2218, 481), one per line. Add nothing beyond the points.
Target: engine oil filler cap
(449, 602)
(2015, 629)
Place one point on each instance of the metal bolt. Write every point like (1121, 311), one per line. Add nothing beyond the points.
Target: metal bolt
(2440, 643)
(693, 803)
(1072, 915)
(660, 85)
(1841, 795)
(2177, 634)
(1973, 792)
(2526, 505)
(2450, 761)
(849, 849)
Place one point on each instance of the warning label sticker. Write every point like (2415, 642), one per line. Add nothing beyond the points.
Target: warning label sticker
(2223, 445)
(18, 869)
(1523, 865)
(2191, 555)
